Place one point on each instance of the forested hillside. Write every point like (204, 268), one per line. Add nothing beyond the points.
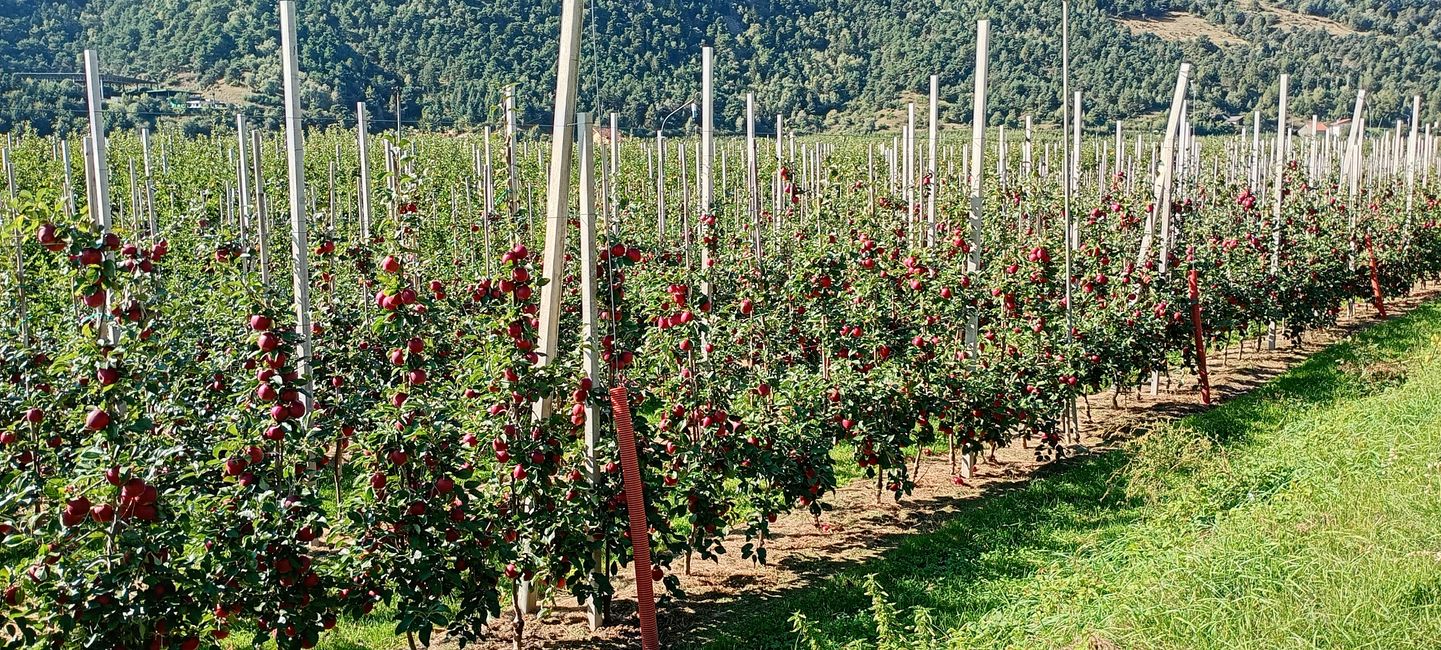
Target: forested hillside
(823, 63)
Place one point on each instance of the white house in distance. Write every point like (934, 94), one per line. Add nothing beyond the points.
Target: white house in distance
(1332, 130)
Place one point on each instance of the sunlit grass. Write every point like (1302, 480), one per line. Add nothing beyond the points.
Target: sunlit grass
(1304, 515)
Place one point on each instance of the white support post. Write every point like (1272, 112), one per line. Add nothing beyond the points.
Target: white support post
(590, 327)
(1002, 155)
(704, 162)
(660, 187)
(149, 182)
(512, 183)
(1120, 150)
(1278, 193)
(242, 168)
(262, 208)
(933, 179)
(99, 171)
(1255, 175)
(65, 164)
(975, 261)
(613, 181)
(780, 182)
(362, 139)
(487, 193)
(910, 173)
(14, 213)
(1028, 151)
(1075, 152)
(753, 177)
(1412, 143)
(295, 162)
(557, 204)
(1311, 170)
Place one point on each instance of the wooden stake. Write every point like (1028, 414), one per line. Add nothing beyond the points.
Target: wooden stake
(1161, 184)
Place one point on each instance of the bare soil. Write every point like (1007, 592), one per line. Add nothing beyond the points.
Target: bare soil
(1287, 19)
(861, 528)
(1181, 26)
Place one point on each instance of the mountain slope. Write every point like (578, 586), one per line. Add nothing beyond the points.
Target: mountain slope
(822, 63)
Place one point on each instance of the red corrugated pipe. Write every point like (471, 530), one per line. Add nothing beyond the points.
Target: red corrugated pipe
(1194, 280)
(639, 529)
(1376, 299)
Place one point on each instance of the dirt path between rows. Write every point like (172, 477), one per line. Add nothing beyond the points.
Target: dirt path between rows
(860, 528)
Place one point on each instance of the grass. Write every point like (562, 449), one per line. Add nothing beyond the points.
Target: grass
(1304, 515)
(374, 632)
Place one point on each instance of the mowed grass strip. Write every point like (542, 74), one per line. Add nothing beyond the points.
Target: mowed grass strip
(1306, 514)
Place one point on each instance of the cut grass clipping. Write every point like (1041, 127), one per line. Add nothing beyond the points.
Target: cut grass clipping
(1304, 515)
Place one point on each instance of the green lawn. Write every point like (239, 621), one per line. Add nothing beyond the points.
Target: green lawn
(1304, 515)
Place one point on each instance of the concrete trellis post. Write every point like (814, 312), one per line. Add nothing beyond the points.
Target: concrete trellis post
(613, 181)
(1028, 151)
(753, 177)
(262, 208)
(1311, 170)
(295, 161)
(1255, 172)
(362, 140)
(933, 177)
(149, 182)
(242, 169)
(512, 183)
(1278, 193)
(556, 206)
(910, 172)
(1068, 172)
(20, 303)
(1120, 150)
(780, 182)
(1002, 156)
(590, 325)
(975, 261)
(978, 144)
(1412, 144)
(704, 162)
(1075, 149)
(98, 171)
(134, 206)
(65, 164)
(660, 187)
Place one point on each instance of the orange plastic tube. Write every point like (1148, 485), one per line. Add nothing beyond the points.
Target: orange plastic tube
(639, 529)
(1194, 279)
